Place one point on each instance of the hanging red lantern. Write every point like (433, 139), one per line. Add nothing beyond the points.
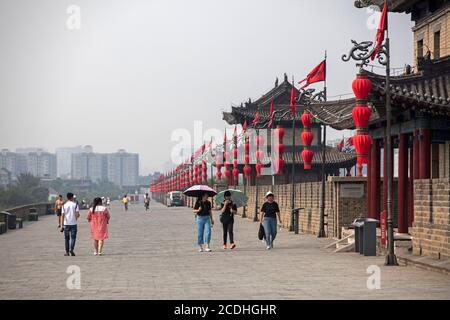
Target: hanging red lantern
(306, 119)
(219, 175)
(247, 148)
(279, 132)
(280, 148)
(307, 156)
(259, 155)
(247, 171)
(235, 153)
(235, 173)
(247, 159)
(227, 173)
(361, 115)
(259, 167)
(362, 143)
(362, 86)
(279, 166)
(235, 163)
(307, 137)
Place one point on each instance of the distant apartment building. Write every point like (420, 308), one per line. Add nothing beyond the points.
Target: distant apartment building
(41, 164)
(64, 160)
(89, 166)
(38, 163)
(5, 178)
(123, 168)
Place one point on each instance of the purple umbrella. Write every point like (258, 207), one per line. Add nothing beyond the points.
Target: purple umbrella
(199, 190)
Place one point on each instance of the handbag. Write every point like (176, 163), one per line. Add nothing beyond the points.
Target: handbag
(261, 232)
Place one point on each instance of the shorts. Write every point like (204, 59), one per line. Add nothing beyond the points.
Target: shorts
(58, 212)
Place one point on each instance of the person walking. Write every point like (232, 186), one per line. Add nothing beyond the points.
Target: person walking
(69, 215)
(125, 201)
(228, 209)
(268, 218)
(146, 201)
(108, 201)
(205, 221)
(98, 217)
(58, 209)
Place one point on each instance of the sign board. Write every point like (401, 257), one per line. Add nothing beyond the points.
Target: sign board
(383, 227)
(352, 190)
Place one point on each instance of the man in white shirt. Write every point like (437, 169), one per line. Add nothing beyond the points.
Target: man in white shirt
(69, 217)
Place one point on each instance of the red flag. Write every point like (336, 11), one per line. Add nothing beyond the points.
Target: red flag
(316, 75)
(382, 27)
(244, 127)
(255, 121)
(340, 145)
(292, 104)
(271, 112)
(350, 141)
(235, 131)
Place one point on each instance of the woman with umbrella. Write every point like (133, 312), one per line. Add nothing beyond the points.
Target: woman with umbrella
(228, 209)
(203, 214)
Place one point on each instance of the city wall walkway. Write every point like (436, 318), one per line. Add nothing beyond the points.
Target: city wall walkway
(154, 255)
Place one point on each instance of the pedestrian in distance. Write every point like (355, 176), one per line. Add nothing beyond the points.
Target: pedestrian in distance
(228, 210)
(205, 221)
(270, 211)
(125, 201)
(58, 209)
(98, 217)
(69, 216)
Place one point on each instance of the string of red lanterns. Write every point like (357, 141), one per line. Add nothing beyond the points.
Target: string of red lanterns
(279, 149)
(307, 138)
(361, 86)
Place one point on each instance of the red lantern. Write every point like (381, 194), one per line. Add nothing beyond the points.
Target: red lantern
(235, 153)
(279, 133)
(279, 148)
(247, 148)
(361, 115)
(227, 173)
(235, 173)
(219, 175)
(259, 167)
(362, 86)
(307, 137)
(307, 156)
(259, 141)
(362, 143)
(259, 155)
(247, 171)
(306, 119)
(279, 166)
(247, 159)
(235, 163)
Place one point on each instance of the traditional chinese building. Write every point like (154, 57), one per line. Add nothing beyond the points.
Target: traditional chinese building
(280, 96)
(420, 130)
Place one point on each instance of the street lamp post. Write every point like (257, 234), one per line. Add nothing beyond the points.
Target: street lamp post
(362, 53)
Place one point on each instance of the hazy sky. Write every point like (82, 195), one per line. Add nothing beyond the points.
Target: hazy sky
(137, 70)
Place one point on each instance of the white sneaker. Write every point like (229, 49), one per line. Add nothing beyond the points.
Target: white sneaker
(95, 253)
(100, 253)
(200, 249)
(268, 248)
(208, 250)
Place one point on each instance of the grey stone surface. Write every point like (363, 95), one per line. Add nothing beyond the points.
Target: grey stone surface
(154, 256)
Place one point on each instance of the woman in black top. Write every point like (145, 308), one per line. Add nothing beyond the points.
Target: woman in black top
(204, 219)
(268, 217)
(228, 210)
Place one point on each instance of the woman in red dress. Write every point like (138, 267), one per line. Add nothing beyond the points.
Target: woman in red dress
(98, 217)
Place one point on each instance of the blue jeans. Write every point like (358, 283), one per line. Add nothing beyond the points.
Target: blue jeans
(70, 236)
(203, 229)
(270, 229)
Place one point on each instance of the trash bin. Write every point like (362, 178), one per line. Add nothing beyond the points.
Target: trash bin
(365, 236)
(11, 221)
(370, 237)
(32, 215)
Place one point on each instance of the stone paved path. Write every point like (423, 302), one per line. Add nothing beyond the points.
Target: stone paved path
(153, 256)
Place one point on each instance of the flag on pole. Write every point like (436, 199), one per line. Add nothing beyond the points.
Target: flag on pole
(292, 103)
(316, 75)
(272, 110)
(340, 145)
(244, 127)
(382, 27)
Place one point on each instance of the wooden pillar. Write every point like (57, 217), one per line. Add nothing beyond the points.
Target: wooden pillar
(370, 212)
(425, 154)
(415, 169)
(402, 183)
(375, 179)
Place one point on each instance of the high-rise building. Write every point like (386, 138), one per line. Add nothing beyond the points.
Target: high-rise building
(88, 165)
(41, 164)
(64, 159)
(123, 168)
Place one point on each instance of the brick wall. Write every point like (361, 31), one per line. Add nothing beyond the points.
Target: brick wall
(431, 227)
